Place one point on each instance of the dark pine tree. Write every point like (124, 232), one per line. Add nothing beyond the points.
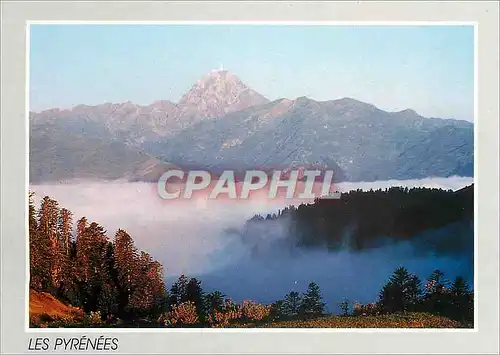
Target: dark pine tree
(312, 304)
(291, 304)
(214, 301)
(462, 301)
(194, 293)
(437, 297)
(178, 291)
(401, 293)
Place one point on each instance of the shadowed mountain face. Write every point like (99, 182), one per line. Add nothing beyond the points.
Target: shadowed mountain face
(62, 152)
(356, 140)
(223, 124)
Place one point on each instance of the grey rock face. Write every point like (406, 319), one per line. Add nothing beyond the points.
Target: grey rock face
(223, 124)
(219, 93)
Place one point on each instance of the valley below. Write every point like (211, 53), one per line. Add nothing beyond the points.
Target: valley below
(203, 238)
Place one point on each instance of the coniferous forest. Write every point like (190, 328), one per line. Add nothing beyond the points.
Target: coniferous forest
(366, 219)
(108, 282)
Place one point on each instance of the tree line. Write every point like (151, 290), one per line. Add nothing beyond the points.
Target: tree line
(404, 292)
(364, 219)
(113, 280)
(87, 269)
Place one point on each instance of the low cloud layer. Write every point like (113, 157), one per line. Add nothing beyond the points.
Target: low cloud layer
(200, 238)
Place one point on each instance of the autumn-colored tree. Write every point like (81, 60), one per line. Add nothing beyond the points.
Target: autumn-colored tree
(65, 226)
(82, 251)
(48, 241)
(106, 278)
(93, 244)
(127, 267)
(181, 314)
(255, 311)
(68, 287)
(158, 288)
(149, 297)
(230, 312)
(39, 251)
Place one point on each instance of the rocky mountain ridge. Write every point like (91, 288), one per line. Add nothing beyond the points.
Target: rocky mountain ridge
(221, 123)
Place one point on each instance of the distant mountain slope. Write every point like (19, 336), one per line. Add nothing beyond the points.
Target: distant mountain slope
(361, 142)
(221, 123)
(58, 153)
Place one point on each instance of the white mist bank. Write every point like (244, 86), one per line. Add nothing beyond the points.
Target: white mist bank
(190, 237)
(452, 183)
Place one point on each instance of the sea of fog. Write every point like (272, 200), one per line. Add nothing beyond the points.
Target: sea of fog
(200, 238)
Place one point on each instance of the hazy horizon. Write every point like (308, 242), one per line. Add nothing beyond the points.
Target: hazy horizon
(429, 69)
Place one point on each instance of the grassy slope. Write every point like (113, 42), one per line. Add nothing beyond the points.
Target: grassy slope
(411, 320)
(43, 304)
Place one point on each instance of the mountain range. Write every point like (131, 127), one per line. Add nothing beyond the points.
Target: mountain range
(221, 123)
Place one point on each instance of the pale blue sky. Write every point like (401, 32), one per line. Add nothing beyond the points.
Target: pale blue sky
(427, 68)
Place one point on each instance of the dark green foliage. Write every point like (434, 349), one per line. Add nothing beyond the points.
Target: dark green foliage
(291, 304)
(214, 301)
(401, 293)
(178, 291)
(455, 301)
(344, 306)
(462, 301)
(194, 293)
(184, 290)
(277, 310)
(312, 304)
(436, 296)
(366, 219)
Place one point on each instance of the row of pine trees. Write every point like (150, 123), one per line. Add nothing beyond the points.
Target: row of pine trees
(84, 268)
(87, 269)
(404, 292)
(364, 219)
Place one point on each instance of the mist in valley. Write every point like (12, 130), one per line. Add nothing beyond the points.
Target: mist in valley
(203, 239)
